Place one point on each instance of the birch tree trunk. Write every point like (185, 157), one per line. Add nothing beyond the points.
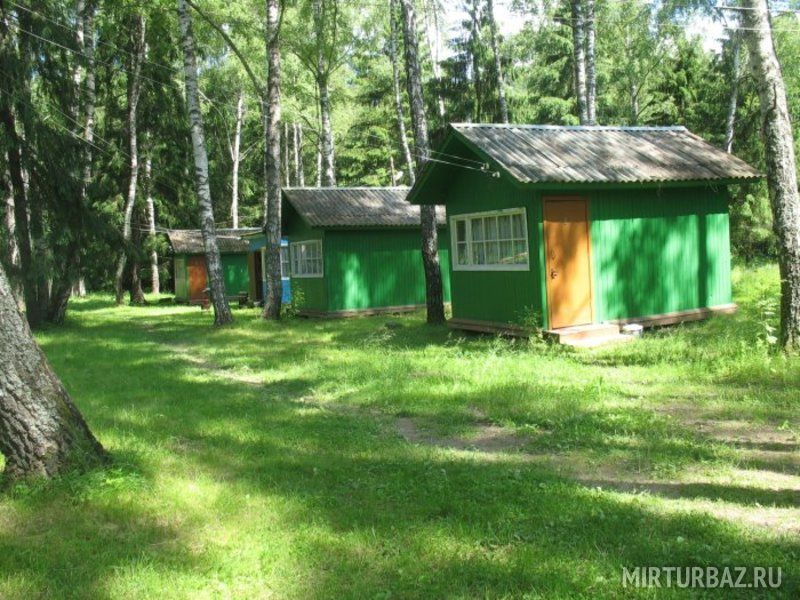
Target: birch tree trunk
(474, 47)
(89, 101)
(235, 160)
(42, 433)
(322, 76)
(134, 89)
(136, 291)
(20, 205)
(733, 98)
(29, 269)
(398, 101)
(319, 160)
(781, 164)
(430, 242)
(155, 277)
(67, 279)
(591, 71)
(579, 59)
(328, 160)
(299, 176)
(498, 66)
(287, 175)
(433, 47)
(272, 306)
(222, 312)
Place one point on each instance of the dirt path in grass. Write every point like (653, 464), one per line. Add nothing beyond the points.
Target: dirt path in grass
(763, 492)
(187, 353)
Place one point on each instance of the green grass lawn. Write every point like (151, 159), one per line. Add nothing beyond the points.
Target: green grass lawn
(327, 459)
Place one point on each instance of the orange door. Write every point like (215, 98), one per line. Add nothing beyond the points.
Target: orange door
(198, 279)
(569, 271)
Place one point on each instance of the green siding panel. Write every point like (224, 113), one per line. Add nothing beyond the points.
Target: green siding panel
(377, 268)
(236, 274)
(658, 252)
(500, 296)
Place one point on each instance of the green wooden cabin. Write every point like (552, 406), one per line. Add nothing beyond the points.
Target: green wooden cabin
(557, 227)
(189, 263)
(355, 250)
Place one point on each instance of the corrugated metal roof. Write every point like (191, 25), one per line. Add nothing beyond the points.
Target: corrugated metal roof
(592, 154)
(356, 207)
(190, 241)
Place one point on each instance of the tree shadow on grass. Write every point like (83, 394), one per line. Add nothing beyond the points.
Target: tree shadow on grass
(412, 521)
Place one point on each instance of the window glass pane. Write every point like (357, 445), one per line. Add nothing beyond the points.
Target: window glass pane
(504, 226)
(491, 229)
(520, 252)
(519, 226)
(492, 251)
(462, 257)
(478, 254)
(506, 255)
(461, 231)
(477, 230)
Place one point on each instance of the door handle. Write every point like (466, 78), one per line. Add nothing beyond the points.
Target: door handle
(553, 274)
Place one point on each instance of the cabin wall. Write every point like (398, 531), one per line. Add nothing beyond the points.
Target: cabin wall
(235, 274)
(497, 296)
(659, 251)
(378, 268)
(181, 278)
(310, 293)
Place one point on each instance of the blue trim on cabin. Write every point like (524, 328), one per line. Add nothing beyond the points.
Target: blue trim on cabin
(256, 244)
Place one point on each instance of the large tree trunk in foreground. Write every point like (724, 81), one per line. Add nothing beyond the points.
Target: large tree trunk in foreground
(430, 243)
(579, 58)
(222, 311)
(41, 431)
(498, 66)
(781, 165)
(134, 89)
(398, 101)
(272, 306)
(235, 160)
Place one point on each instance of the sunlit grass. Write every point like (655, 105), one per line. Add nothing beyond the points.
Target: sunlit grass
(264, 459)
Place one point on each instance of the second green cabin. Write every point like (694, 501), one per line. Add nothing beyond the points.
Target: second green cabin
(355, 251)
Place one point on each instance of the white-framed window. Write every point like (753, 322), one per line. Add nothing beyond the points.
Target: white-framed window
(306, 258)
(285, 267)
(490, 241)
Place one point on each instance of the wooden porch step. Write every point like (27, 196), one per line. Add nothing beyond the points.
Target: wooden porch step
(585, 335)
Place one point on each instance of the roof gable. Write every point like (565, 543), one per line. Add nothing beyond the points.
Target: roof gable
(190, 241)
(355, 207)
